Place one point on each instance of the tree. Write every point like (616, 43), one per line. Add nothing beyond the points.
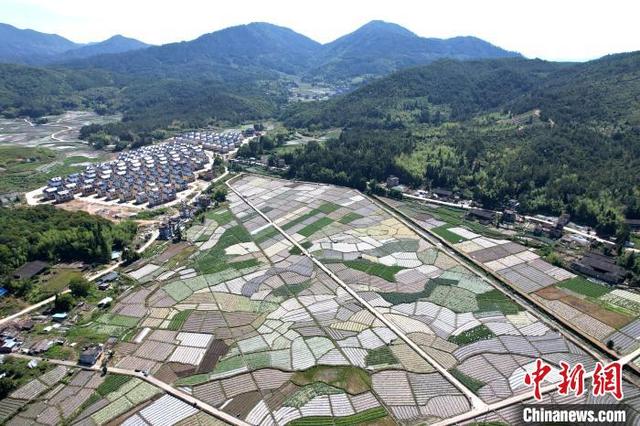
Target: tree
(63, 303)
(220, 194)
(79, 287)
(6, 386)
(129, 255)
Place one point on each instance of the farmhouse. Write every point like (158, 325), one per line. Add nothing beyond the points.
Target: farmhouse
(599, 266)
(29, 270)
(481, 215)
(90, 355)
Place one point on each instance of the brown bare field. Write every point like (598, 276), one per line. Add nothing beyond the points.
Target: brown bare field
(171, 251)
(611, 318)
(113, 213)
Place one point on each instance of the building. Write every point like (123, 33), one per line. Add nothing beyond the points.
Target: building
(634, 224)
(444, 194)
(40, 346)
(8, 344)
(393, 181)
(219, 142)
(563, 220)
(90, 355)
(481, 215)
(104, 282)
(30, 270)
(509, 216)
(599, 266)
(59, 317)
(153, 174)
(105, 302)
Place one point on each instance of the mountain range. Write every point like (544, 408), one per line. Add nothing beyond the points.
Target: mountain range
(246, 51)
(36, 48)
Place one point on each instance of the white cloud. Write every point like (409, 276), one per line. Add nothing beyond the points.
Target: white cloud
(556, 30)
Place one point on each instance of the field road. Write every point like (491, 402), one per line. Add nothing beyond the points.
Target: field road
(554, 324)
(476, 402)
(91, 277)
(54, 134)
(152, 380)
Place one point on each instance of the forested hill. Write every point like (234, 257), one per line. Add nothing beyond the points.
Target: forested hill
(379, 48)
(602, 90)
(457, 88)
(29, 46)
(265, 50)
(256, 50)
(558, 137)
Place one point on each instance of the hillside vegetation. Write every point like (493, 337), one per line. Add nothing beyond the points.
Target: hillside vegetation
(575, 147)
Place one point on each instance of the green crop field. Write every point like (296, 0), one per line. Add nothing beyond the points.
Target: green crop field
(471, 383)
(480, 332)
(366, 416)
(215, 259)
(350, 217)
(583, 286)
(379, 270)
(314, 227)
(444, 232)
(381, 355)
(289, 290)
(178, 320)
(112, 383)
(495, 301)
(325, 208)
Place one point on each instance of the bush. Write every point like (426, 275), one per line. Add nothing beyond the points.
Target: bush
(79, 287)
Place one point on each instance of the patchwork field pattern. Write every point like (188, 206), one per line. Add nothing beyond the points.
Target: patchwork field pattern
(435, 301)
(591, 308)
(246, 325)
(88, 398)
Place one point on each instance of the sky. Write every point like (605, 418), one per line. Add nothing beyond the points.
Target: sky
(559, 30)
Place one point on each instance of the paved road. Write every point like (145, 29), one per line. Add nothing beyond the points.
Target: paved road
(90, 277)
(158, 383)
(475, 400)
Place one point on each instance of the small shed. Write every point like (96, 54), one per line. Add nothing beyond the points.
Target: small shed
(30, 270)
(59, 317)
(90, 355)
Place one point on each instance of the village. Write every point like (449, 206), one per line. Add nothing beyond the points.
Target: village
(149, 176)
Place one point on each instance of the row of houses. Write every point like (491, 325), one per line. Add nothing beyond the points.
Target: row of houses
(152, 174)
(219, 142)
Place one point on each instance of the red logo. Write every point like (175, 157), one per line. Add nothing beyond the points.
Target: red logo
(606, 379)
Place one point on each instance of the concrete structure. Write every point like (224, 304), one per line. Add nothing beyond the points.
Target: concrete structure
(393, 181)
(152, 174)
(219, 142)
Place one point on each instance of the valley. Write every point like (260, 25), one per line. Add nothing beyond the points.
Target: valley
(244, 225)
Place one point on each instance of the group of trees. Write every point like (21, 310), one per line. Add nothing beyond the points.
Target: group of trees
(357, 156)
(447, 125)
(50, 234)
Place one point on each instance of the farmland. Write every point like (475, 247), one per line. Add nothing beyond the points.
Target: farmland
(244, 320)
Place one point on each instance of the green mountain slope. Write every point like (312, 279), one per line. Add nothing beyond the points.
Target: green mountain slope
(29, 46)
(379, 48)
(558, 137)
(256, 50)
